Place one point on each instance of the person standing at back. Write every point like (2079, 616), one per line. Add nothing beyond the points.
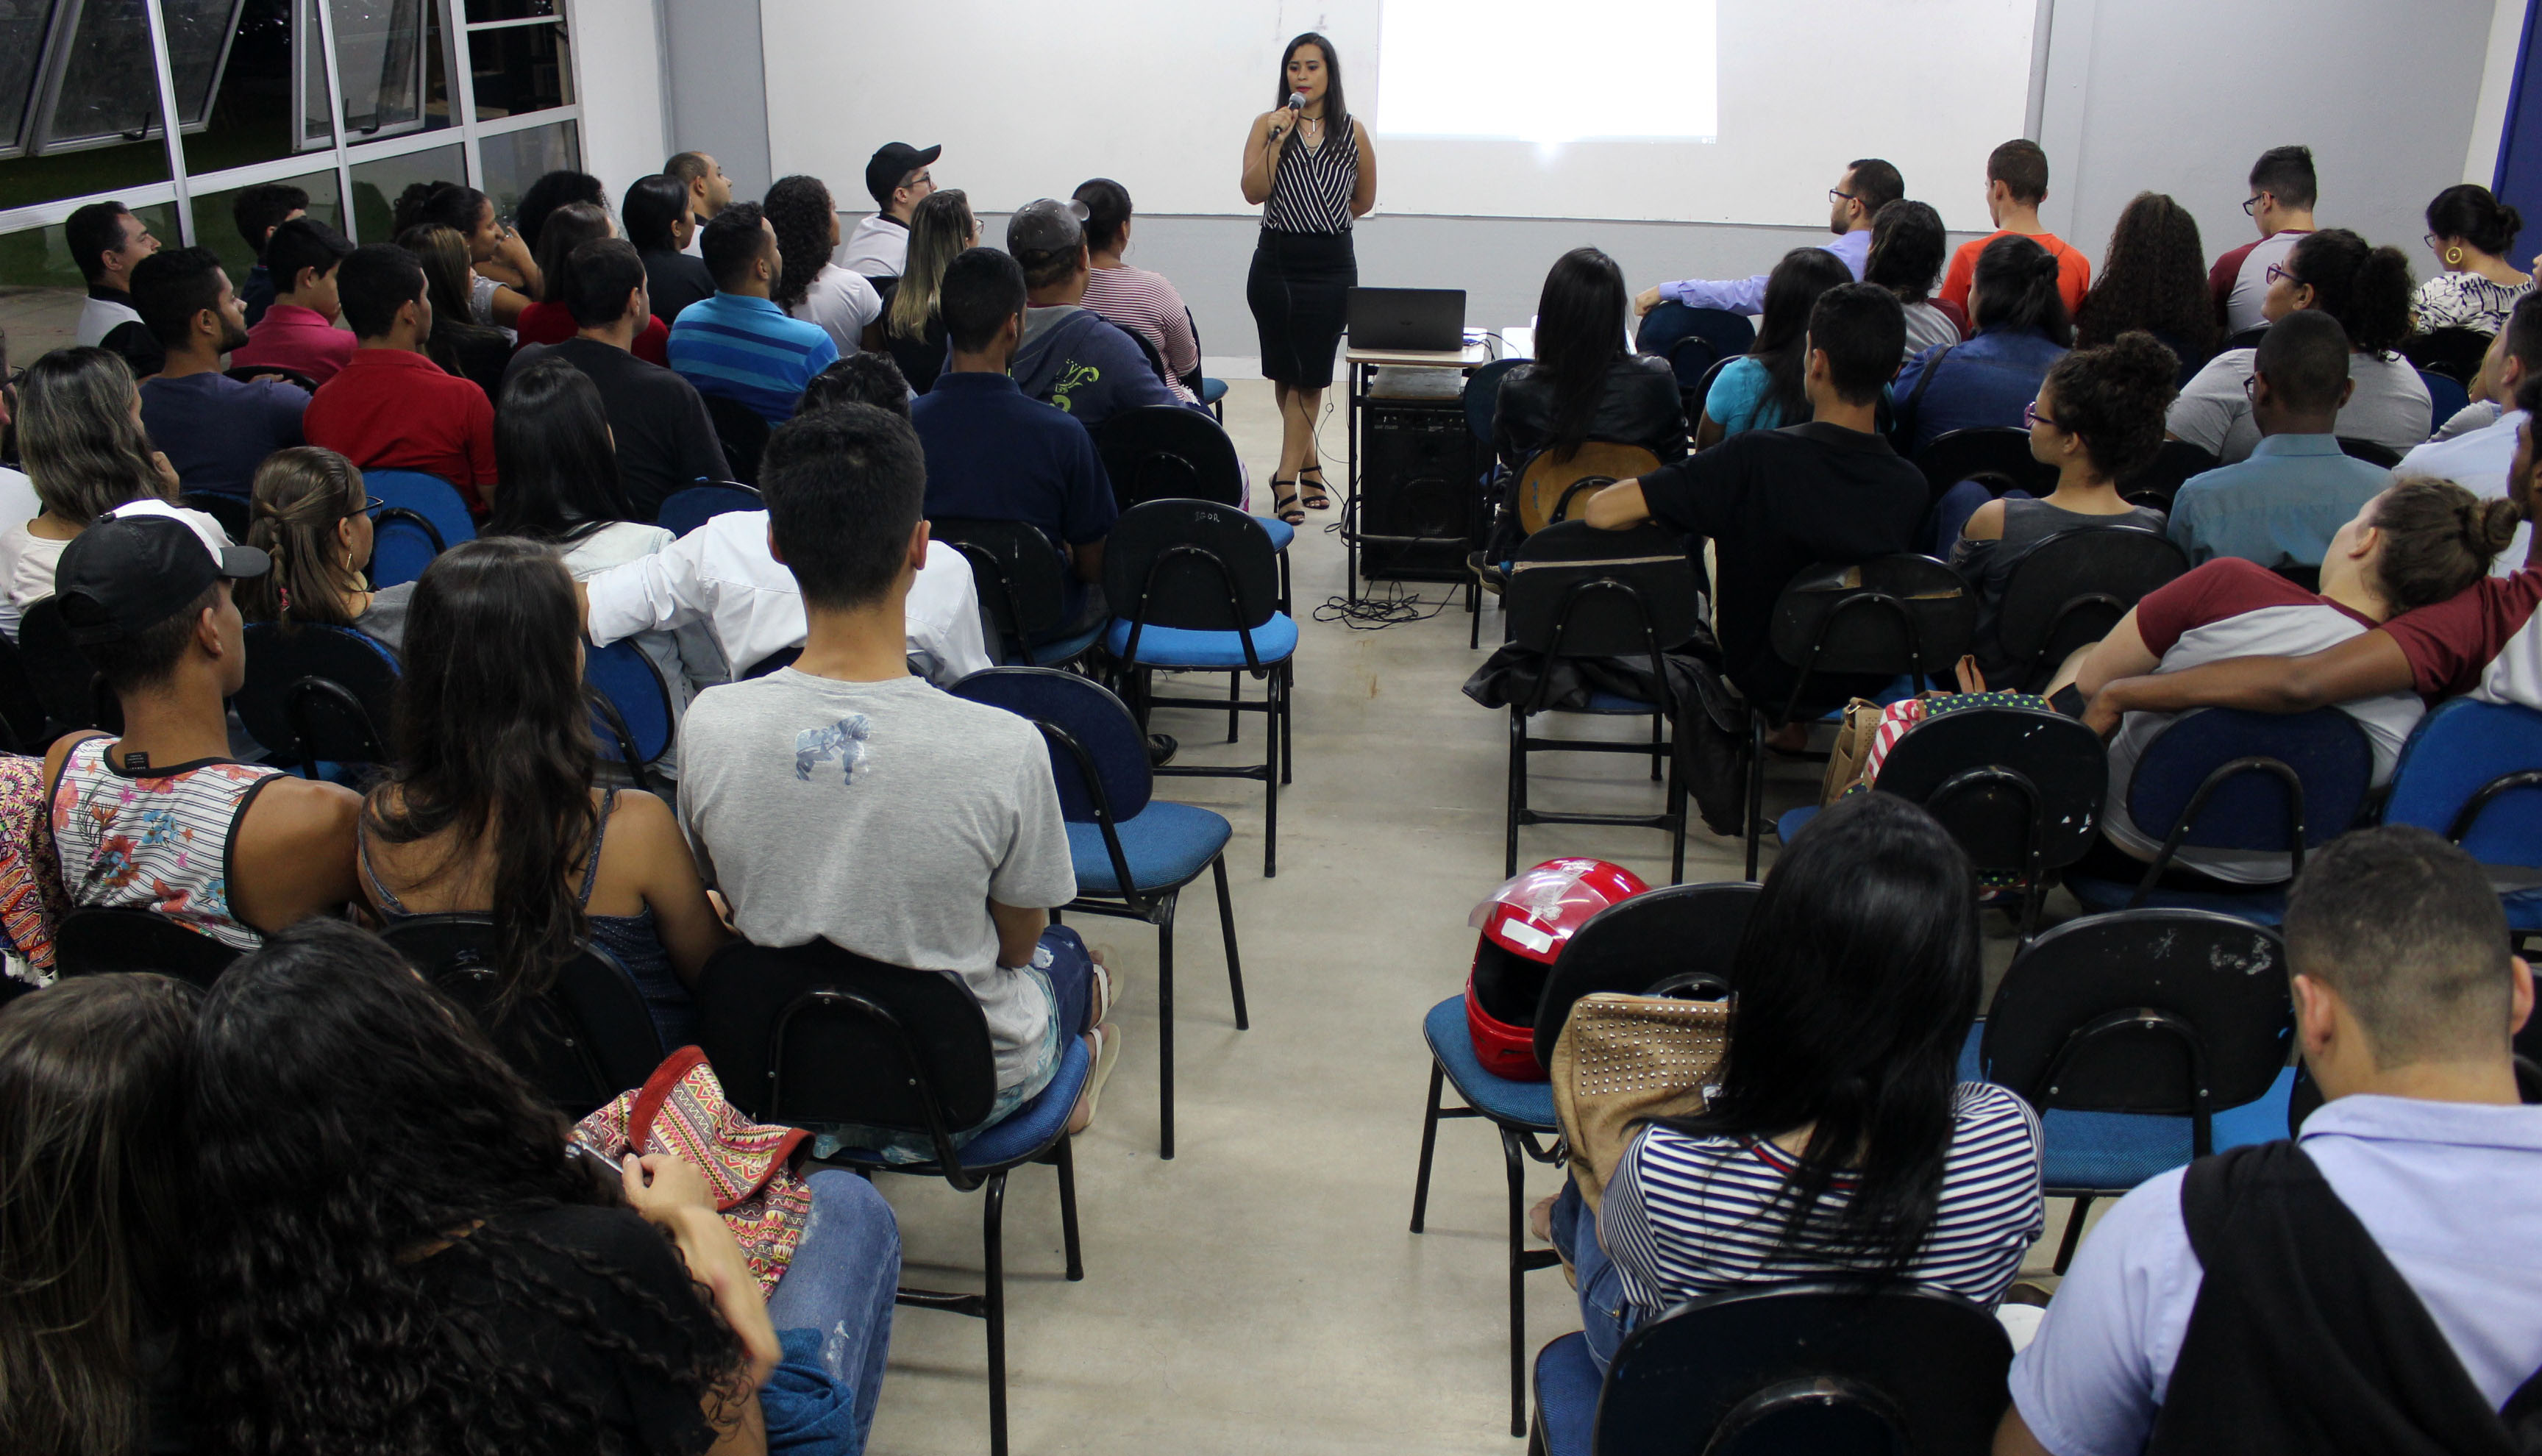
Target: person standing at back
(657, 215)
(2016, 184)
(898, 180)
(2283, 188)
(215, 429)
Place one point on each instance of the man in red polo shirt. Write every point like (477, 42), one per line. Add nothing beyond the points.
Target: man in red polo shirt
(392, 409)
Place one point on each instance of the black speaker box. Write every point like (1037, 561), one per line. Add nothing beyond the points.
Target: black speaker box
(1417, 479)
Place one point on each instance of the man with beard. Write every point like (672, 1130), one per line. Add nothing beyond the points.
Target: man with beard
(214, 429)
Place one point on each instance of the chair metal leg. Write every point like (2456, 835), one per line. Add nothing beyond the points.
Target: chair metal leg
(1064, 1157)
(1429, 1142)
(1519, 1265)
(1517, 788)
(1656, 722)
(1226, 927)
(1755, 788)
(1677, 805)
(1272, 770)
(1287, 716)
(2074, 1232)
(1234, 691)
(1165, 1026)
(993, 1237)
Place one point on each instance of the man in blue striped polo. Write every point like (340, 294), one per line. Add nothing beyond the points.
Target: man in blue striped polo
(737, 344)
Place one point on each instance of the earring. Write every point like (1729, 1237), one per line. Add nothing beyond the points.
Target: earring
(2453, 257)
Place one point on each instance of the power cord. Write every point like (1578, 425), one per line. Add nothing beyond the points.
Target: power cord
(1374, 612)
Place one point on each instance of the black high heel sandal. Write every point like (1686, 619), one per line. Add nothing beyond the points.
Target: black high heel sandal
(1283, 504)
(1314, 496)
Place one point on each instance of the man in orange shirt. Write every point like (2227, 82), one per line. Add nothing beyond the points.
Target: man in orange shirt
(2016, 184)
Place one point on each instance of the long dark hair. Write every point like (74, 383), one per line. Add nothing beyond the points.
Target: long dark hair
(438, 203)
(1908, 246)
(800, 209)
(1336, 113)
(1854, 986)
(2154, 278)
(300, 494)
(496, 745)
(567, 228)
(1782, 341)
(2367, 289)
(651, 206)
(551, 452)
(351, 1131)
(1578, 332)
(541, 200)
(92, 1225)
(2016, 288)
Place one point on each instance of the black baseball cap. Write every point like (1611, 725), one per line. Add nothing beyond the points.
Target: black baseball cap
(895, 161)
(140, 565)
(1045, 226)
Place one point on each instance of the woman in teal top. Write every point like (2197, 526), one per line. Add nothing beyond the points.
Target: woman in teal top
(1761, 390)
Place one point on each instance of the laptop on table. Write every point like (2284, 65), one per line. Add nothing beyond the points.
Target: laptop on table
(1423, 320)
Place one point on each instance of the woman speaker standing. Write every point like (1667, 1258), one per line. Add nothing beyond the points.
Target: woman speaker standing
(1310, 165)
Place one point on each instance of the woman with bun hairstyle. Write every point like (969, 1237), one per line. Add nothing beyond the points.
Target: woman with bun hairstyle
(506, 275)
(2098, 417)
(2022, 328)
(2368, 290)
(2471, 233)
(1145, 303)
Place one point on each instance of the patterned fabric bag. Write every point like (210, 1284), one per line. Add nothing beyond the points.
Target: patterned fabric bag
(680, 1111)
(32, 897)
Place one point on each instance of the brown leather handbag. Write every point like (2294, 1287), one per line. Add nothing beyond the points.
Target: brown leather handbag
(1623, 1060)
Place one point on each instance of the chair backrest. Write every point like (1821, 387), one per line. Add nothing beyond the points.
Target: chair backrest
(782, 657)
(2158, 479)
(2246, 339)
(1164, 452)
(1022, 583)
(1550, 490)
(816, 1034)
(234, 512)
(1193, 380)
(1635, 946)
(2369, 451)
(317, 694)
(1194, 564)
(2142, 1011)
(1576, 591)
(2068, 590)
(1725, 335)
(22, 711)
(1821, 1367)
(1992, 450)
(1887, 615)
(583, 1041)
(743, 433)
(420, 516)
(684, 511)
(102, 940)
(2253, 807)
(2445, 395)
(1998, 776)
(2448, 353)
(1482, 397)
(630, 696)
(249, 373)
(65, 681)
(1098, 758)
(2472, 771)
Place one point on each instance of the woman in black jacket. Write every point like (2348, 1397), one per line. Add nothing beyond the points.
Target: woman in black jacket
(1586, 382)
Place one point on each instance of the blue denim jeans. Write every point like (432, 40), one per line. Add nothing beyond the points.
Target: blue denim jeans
(841, 1284)
(1604, 1317)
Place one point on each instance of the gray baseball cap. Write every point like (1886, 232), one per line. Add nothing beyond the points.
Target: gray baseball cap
(1044, 225)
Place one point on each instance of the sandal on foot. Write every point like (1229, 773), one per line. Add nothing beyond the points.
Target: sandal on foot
(1312, 493)
(1284, 503)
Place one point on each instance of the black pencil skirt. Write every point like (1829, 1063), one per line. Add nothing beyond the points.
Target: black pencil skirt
(1299, 291)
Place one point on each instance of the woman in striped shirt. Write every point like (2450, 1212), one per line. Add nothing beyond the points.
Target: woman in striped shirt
(1840, 1140)
(1140, 301)
(1314, 170)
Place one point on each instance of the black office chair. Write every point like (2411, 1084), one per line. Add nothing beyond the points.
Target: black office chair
(2158, 480)
(316, 694)
(23, 719)
(1164, 452)
(73, 695)
(234, 512)
(2369, 451)
(2067, 591)
(102, 940)
(1022, 586)
(2000, 455)
(2246, 339)
(2454, 353)
(249, 373)
(587, 1037)
(743, 434)
(2019, 789)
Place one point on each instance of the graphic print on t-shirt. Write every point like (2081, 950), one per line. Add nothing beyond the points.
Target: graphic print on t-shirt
(844, 740)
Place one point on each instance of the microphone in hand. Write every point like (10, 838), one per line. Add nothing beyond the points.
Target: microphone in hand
(1297, 101)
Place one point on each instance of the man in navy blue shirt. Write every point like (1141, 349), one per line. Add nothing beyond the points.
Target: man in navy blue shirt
(995, 453)
(214, 429)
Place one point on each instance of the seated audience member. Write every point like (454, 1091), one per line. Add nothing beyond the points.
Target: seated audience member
(2283, 191)
(811, 287)
(2153, 278)
(2418, 543)
(1907, 246)
(214, 429)
(488, 806)
(1584, 383)
(1825, 489)
(2478, 457)
(393, 408)
(506, 275)
(107, 242)
(2208, 1308)
(81, 440)
(257, 211)
(2098, 417)
(2368, 290)
(550, 320)
(940, 230)
(2472, 234)
(1868, 186)
(361, 1149)
(859, 379)
(2022, 328)
(658, 223)
(298, 332)
(897, 179)
(992, 454)
(476, 352)
(146, 595)
(2280, 506)
(709, 191)
(1761, 390)
(93, 1222)
(2016, 184)
(562, 489)
(18, 498)
(948, 860)
(313, 523)
(658, 424)
(1072, 356)
(1840, 1141)
(739, 345)
(1137, 300)
(551, 193)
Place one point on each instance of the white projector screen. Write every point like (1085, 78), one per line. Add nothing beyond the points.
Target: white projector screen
(1671, 111)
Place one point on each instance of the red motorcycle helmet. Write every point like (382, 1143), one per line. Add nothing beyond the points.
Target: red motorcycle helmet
(1524, 923)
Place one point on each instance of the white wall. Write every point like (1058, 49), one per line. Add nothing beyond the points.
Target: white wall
(617, 61)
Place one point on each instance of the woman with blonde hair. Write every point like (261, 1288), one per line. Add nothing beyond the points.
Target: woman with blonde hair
(940, 229)
(314, 520)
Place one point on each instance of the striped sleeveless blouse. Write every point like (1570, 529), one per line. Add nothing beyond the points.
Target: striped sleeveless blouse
(158, 840)
(1311, 192)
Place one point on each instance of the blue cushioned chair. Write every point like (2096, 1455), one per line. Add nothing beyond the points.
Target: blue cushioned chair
(1481, 398)
(1190, 586)
(814, 1034)
(631, 707)
(1209, 392)
(2225, 778)
(2472, 771)
(1022, 590)
(2446, 396)
(1133, 853)
(2144, 1038)
(1693, 341)
(316, 694)
(1825, 1367)
(419, 517)
(684, 511)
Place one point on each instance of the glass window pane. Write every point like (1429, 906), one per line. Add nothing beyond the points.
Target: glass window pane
(216, 223)
(77, 174)
(198, 41)
(250, 102)
(376, 186)
(482, 10)
(517, 159)
(110, 86)
(38, 258)
(22, 46)
(388, 62)
(520, 69)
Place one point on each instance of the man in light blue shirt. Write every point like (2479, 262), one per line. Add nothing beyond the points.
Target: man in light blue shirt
(2281, 506)
(738, 345)
(2477, 459)
(1867, 185)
